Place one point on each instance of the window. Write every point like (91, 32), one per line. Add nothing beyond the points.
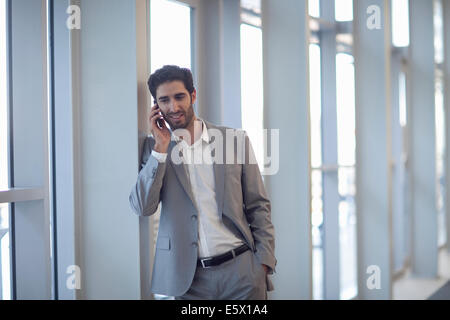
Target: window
(344, 10)
(400, 23)
(314, 8)
(3, 101)
(326, 172)
(346, 109)
(251, 12)
(251, 5)
(402, 98)
(345, 74)
(400, 214)
(438, 32)
(401, 220)
(252, 105)
(440, 120)
(440, 159)
(170, 27)
(252, 88)
(316, 174)
(5, 263)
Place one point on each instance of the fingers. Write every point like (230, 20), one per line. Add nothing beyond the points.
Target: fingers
(154, 110)
(155, 114)
(154, 119)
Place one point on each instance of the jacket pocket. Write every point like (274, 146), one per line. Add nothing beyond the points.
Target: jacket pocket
(163, 243)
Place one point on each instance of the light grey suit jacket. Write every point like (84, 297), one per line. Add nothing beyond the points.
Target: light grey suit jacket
(241, 199)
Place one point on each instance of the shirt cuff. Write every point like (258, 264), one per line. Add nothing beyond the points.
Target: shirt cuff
(161, 157)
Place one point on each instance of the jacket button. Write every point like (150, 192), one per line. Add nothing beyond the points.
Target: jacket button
(194, 217)
(194, 244)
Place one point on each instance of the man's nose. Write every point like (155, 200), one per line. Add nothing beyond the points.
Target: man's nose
(174, 106)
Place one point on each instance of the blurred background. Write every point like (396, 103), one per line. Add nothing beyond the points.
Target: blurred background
(359, 91)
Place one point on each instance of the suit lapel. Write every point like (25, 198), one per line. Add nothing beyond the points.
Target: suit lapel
(219, 172)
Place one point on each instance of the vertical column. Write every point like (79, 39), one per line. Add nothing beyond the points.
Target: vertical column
(398, 219)
(286, 108)
(108, 145)
(423, 140)
(218, 62)
(231, 63)
(446, 14)
(63, 146)
(147, 225)
(330, 155)
(67, 148)
(372, 50)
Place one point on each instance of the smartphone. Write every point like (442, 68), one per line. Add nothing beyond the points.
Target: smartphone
(160, 122)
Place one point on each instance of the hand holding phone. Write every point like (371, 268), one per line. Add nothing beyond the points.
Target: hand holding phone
(160, 121)
(159, 129)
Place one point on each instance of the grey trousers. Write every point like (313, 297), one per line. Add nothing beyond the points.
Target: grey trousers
(241, 278)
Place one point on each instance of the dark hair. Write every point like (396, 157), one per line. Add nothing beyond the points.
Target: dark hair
(168, 74)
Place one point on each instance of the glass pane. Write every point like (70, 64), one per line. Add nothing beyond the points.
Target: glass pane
(252, 5)
(438, 32)
(344, 10)
(402, 99)
(251, 12)
(399, 191)
(3, 101)
(400, 23)
(252, 88)
(347, 234)
(345, 82)
(314, 8)
(170, 34)
(251, 19)
(5, 261)
(315, 105)
(316, 175)
(440, 159)
(317, 234)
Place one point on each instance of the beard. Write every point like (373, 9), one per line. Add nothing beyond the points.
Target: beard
(188, 116)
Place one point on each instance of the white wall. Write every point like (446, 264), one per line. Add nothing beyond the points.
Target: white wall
(286, 107)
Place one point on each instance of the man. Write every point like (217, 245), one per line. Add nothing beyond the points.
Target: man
(215, 238)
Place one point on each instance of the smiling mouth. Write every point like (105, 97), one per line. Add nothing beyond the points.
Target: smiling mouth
(176, 117)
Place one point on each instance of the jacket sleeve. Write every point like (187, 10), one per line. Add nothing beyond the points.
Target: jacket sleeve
(257, 208)
(145, 194)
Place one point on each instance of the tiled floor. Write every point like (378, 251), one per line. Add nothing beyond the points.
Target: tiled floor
(411, 288)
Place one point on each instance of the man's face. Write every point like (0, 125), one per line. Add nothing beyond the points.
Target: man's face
(176, 103)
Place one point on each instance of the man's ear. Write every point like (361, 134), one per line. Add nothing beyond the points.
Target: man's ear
(193, 96)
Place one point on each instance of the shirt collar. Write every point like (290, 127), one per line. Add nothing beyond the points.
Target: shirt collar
(204, 136)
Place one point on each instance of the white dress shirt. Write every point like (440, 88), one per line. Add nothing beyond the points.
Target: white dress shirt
(214, 238)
